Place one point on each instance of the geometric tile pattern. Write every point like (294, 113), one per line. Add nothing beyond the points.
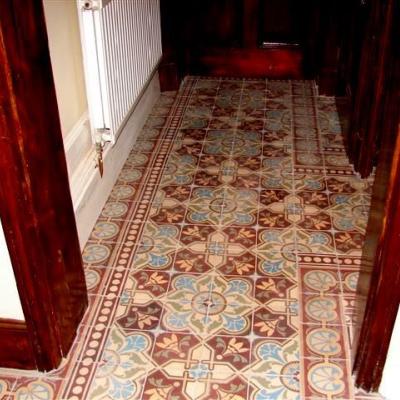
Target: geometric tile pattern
(225, 262)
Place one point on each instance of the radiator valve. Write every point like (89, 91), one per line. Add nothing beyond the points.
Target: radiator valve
(99, 153)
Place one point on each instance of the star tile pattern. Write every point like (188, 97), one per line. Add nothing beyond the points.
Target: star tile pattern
(225, 262)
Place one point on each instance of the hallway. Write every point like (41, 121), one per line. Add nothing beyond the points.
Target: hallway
(225, 263)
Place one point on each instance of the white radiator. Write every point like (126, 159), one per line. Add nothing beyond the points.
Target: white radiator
(121, 42)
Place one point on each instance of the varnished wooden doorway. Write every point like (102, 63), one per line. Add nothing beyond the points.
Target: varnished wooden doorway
(379, 285)
(35, 208)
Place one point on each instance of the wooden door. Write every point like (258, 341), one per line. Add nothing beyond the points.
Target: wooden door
(35, 208)
(244, 38)
(352, 54)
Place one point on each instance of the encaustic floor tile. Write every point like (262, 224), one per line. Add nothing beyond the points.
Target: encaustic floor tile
(225, 262)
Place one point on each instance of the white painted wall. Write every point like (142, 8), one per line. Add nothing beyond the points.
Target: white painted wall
(66, 58)
(10, 305)
(390, 383)
(89, 192)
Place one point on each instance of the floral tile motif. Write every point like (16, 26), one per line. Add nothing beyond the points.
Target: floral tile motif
(312, 183)
(142, 286)
(123, 365)
(225, 262)
(199, 370)
(196, 382)
(97, 253)
(206, 205)
(237, 172)
(220, 143)
(6, 386)
(107, 230)
(226, 250)
(275, 370)
(115, 209)
(269, 288)
(231, 350)
(277, 264)
(277, 173)
(94, 276)
(278, 319)
(223, 206)
(346, 184)
(328, 379)
(315, 242)
(320, 280)
(36, 388)
(123, 191)
(324, 341)
(349, 279)
(157, 246)
(209, 304)
(180, 169)
(223, 123)
(251, 124)
(349, 211)
(138, 313)
(321, 309)
(349, 243)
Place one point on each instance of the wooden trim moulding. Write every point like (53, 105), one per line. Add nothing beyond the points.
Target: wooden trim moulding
(15, 348)
(36, 208)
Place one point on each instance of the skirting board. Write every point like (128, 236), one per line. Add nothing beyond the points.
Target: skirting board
(89, 191)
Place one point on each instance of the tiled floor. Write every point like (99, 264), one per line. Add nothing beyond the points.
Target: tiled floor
(224, 264)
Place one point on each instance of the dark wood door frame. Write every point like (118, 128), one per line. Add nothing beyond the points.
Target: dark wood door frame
(36, 207)
(379, 284)
(381, 301)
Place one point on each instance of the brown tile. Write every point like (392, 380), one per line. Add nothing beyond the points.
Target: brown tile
(223, 123)
(275, 151)
(315, 243)
(279, 322)
(349, 243)
(251, 124)
(231, 350)
(269, 288)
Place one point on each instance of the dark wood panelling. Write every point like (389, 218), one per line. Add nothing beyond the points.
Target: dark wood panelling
(352, 53)
(364, 134)
(36, 207)
(329, 26)
(282, 20)
(278, 63)
(210, 23)
(225, 38)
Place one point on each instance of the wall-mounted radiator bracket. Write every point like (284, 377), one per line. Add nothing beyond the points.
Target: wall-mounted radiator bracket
(92, 5)
(104, 135)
